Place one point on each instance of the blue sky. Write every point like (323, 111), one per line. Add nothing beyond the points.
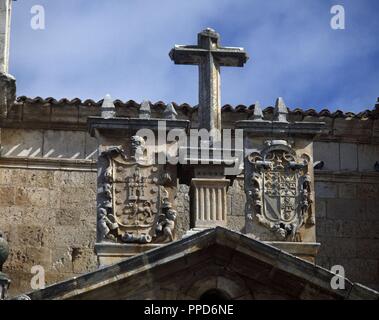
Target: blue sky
(93, 47)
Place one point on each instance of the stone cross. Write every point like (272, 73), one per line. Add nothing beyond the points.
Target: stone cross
(209, 56)
(5, 29)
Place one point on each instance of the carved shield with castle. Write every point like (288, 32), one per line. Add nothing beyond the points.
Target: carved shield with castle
(136, 195)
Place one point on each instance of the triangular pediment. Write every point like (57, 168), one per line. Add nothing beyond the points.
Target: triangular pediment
(218, 260)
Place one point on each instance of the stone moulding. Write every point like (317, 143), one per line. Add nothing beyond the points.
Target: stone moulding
(217, 156)
(110, 253)
(64, 114)
(346, 177)
(306, 250)
(119, 123)
(269, 127)
(49, 164)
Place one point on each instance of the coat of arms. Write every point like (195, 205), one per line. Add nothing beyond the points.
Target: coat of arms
(279, 189)
(135, 201)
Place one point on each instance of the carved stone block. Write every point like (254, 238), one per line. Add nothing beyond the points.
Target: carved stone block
(279, 189)
(279, 181)
(210, 206)
(135, 197)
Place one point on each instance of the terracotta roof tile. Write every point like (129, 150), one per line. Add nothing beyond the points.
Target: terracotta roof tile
(186, 108)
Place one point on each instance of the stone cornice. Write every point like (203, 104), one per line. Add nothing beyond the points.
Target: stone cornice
(48, 163)
(283, 128)
(50, 114)
(346, 177)
(118, 123)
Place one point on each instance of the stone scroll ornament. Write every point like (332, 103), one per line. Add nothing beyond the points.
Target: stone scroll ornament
(133, 202)
(279, 190)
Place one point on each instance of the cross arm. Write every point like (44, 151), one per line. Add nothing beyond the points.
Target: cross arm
(230, 56)
(187, 54)
(225, 56)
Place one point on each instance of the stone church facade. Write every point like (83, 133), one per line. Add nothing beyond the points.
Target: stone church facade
(80, 188)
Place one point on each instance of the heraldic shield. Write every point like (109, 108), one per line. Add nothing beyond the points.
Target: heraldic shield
(279, 190)
(135, 198)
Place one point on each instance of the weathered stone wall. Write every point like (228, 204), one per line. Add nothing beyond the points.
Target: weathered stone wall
(347, 207)
(49, 218)
(45, 143)
(343, 157)
(347, 222)
(348, 227)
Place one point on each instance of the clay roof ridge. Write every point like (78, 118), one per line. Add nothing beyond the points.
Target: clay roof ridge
(187, 108)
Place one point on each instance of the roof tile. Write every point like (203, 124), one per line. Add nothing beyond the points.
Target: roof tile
(186, 108)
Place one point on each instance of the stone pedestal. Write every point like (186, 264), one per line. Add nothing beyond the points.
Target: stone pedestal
(208, 177)
(209, 208)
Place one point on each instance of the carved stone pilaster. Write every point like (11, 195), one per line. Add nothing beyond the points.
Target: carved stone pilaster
(209, 202)
(209, 180)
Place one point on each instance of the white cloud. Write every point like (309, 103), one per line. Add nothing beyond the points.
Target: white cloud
(91, 48)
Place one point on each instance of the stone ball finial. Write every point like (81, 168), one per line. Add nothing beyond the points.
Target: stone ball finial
(208, 34)
(4, 250)
(210, 30)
